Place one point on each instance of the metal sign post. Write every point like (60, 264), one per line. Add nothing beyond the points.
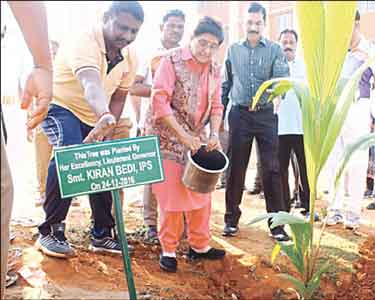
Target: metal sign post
(110, 166)
(124, 245)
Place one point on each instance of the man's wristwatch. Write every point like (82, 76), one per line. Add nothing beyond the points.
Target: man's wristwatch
(214, 134)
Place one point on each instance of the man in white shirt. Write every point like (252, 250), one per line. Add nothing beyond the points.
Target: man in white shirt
(172, 30)
(371, 165)
(290, 124)
(357, 123)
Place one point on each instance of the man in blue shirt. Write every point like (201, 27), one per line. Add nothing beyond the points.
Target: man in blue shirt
(248, 64)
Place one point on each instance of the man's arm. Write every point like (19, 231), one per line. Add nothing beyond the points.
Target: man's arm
(31, 17)
(139, 88)
(227, 84)
(95, 96)
(124, 124)
(136, 91)
(136, 105)
(118, 99)
(94, 92)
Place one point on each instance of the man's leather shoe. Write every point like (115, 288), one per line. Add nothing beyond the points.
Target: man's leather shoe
(230, 230)
(279, 234)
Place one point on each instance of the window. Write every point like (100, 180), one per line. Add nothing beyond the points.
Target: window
(284, 21)
(371, 5)
(364, 6)
(226, 34)
(201, 5)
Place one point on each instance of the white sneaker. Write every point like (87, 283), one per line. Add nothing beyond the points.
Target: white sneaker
(351, 221)
(351, 225)
(334, 219)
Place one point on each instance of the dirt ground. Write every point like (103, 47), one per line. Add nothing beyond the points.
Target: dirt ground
(361, 285)
(245, 273)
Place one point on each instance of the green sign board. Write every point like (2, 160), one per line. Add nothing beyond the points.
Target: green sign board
(92, 168)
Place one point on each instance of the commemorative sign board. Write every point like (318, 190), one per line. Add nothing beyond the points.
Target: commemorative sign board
(98, 167)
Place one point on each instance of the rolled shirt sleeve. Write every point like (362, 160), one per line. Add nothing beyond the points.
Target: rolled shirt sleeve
(162, 89)
(84, 54)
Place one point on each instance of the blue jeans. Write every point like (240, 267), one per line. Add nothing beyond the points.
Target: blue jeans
(63, 128)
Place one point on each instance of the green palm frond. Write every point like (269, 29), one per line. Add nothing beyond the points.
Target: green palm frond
(298, 284)
(279, 87)
(279, 218)
(311, 22)
(324, 46)
(335, 45)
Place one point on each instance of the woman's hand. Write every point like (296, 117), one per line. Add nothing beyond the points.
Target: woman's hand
(191, 142)
(213, 143)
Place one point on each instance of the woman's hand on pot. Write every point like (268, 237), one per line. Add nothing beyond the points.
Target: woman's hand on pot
(191, 142)
(213, 143)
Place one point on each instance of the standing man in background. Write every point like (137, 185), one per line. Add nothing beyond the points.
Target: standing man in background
(31, 17)
(248, 64)
(172, 31)
(290, 125)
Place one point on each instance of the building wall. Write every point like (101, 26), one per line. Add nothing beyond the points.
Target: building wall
(220, 11)
(232, 15)
(278, 21)
(284, 12)
(367, 25)
(281, 15)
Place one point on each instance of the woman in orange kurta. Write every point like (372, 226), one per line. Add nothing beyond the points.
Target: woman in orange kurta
(186, 97)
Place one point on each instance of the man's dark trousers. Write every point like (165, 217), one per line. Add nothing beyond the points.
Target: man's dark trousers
(244, 125)
(287, 143)
(63, 128)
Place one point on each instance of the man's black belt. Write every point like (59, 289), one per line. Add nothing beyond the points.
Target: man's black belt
(266, 106)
